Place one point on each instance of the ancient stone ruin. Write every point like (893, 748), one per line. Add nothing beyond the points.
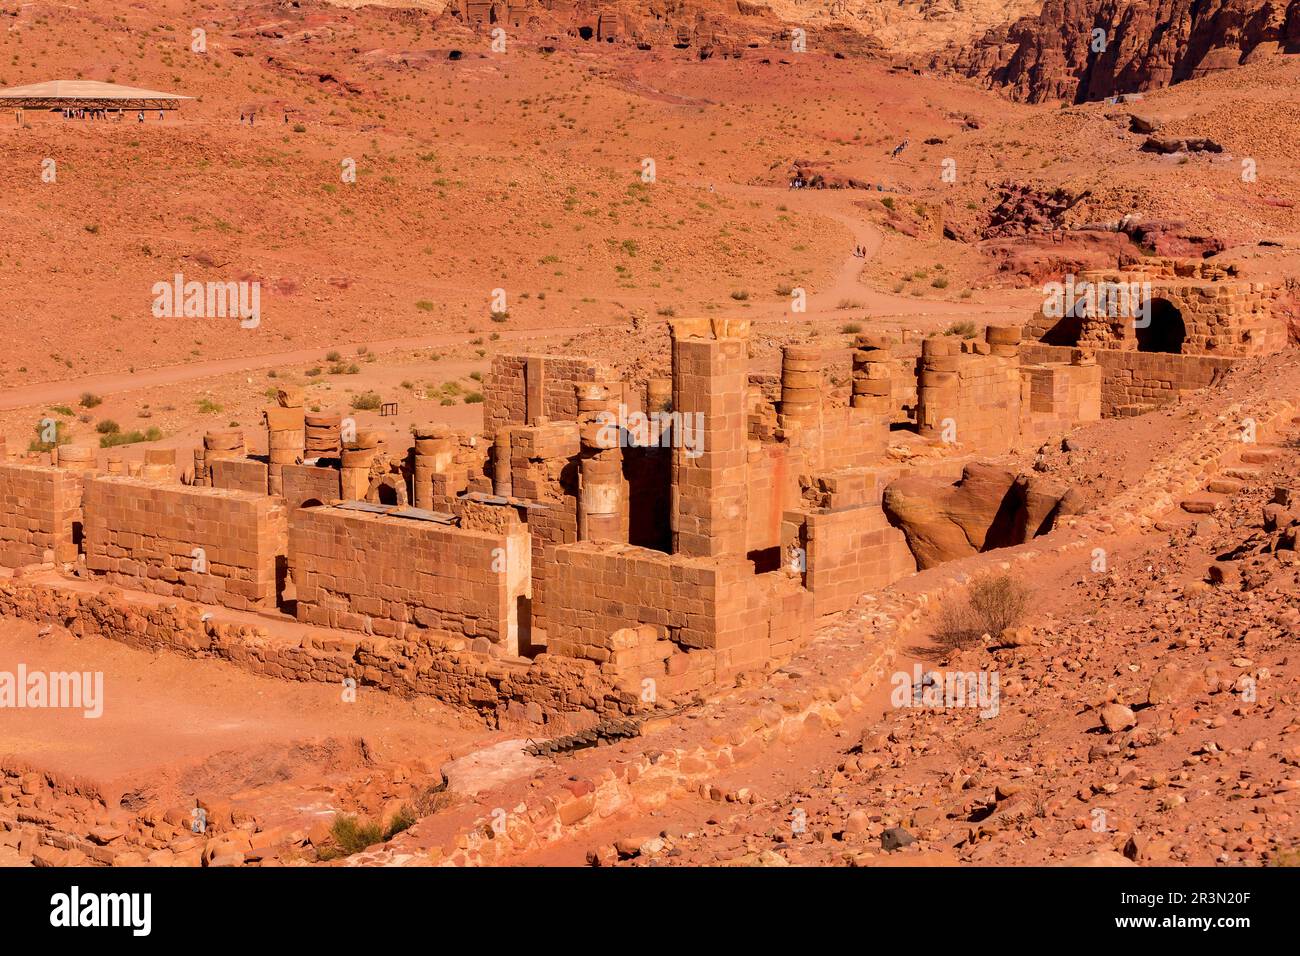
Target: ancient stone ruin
(603, 546)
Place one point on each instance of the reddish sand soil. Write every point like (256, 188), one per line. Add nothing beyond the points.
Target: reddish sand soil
(524, 173)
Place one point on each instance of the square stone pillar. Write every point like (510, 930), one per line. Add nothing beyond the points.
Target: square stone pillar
(710, 443)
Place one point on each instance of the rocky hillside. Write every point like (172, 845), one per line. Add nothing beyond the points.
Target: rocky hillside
(1147, 45)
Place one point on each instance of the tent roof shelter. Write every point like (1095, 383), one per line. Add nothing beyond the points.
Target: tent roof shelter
(87, 94)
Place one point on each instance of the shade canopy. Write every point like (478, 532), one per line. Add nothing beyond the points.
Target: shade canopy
(82, 94)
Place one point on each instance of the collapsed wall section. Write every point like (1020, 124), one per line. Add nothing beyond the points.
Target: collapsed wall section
(842, 544)
(970, 394)
(690, 621)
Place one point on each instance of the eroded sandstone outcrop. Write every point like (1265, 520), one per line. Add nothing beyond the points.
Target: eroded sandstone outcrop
(1148, 45)
(990, 507)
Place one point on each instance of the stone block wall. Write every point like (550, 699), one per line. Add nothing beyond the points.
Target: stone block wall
(211, 545)
(710, 479)
(40, 508)
(1221, 314)
(520, 389)
(840, 543)
(399, 576)
(543, 468)
(973, 396)
(239, 474)
(303, 483)
(1055, 397)
(714, 617)
(1141, 379)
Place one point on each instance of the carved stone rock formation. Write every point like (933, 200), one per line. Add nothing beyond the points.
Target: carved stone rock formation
(1144, 45)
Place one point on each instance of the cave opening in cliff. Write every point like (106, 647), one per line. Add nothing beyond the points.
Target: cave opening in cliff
(586, 32)
(1165, 331)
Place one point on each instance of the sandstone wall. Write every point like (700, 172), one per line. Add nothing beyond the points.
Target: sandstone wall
(398, 576)
(708, 619)
(211, 545)
(239, 474)
(1143, 379)
(521, 388)
(39, 509)
(971, 396)
(302, 483)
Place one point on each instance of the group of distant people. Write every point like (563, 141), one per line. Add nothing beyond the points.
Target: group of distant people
(860, 251)
(250, 117)
(97, 114)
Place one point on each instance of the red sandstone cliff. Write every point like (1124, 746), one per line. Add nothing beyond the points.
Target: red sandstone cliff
(1149, 44)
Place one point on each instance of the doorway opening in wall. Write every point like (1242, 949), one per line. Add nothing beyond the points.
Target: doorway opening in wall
(286, 591)
(586, 32)
(1068, 329)
(1166, 330)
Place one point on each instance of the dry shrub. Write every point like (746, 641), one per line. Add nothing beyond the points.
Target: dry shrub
(993, 603)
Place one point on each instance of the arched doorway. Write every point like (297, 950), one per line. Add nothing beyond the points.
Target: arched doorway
(387, 490)
(1165, 331)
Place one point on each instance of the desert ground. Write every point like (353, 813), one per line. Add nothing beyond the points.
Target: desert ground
(501, 205)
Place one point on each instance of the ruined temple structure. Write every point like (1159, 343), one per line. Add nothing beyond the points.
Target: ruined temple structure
(601, 547)
(1159, 328)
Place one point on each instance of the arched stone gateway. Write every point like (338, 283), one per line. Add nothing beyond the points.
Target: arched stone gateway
(1166, 330)
(387, 490)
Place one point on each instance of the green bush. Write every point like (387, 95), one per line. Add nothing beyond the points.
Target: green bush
(366, 401)
(130, 438)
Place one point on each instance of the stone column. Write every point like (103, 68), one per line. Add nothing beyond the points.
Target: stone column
(286, 436)
(872, 373)
(354, 479)
(710, 446)
(435, 449)
(323, 432)
(937, 384)
(801, 387)
(501, 483)
(658, 395)
(601, 495)
(77, 457)
(1003, 340)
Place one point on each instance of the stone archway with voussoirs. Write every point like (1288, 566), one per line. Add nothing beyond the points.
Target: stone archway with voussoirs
(387, 490)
